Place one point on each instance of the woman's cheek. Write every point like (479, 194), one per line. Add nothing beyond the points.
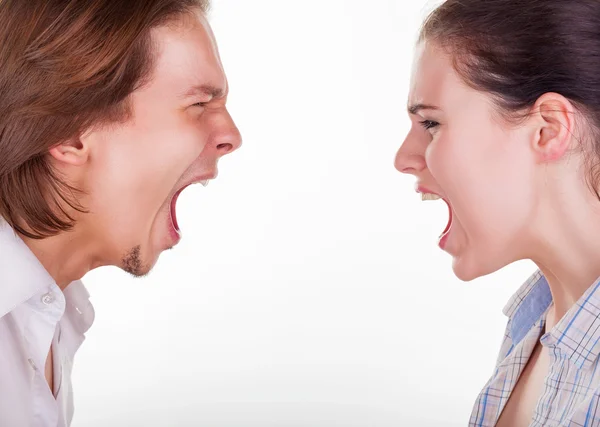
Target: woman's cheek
(435, 157)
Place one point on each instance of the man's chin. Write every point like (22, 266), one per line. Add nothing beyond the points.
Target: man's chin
(135, 264)
(139, 260)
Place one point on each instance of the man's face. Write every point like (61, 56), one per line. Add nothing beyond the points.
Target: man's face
(179, 129)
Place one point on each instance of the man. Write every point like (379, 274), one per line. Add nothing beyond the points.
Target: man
(108, 110)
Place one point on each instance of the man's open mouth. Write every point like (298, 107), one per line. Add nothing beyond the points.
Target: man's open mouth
(173, 209)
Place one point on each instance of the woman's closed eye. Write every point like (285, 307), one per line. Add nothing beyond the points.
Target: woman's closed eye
(429, 124)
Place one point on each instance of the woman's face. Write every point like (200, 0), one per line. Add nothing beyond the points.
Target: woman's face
(485, 170)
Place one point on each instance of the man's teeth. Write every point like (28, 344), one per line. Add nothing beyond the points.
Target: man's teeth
(429, 196)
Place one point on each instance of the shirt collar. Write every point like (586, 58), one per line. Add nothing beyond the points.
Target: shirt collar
(535, 283)
(576, 335)
(21, 274)
(79, 307)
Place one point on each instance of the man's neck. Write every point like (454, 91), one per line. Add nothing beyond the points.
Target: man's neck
(65, 256)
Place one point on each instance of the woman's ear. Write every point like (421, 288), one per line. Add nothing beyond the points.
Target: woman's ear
(555, 121)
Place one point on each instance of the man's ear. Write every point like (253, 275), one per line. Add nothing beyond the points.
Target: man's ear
(74, 152)
(555, 122)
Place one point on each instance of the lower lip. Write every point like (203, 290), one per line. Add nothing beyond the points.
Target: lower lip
(443, 240)
(174, 234)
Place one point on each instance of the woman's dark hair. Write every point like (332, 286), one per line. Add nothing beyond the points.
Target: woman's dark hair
(518, 50)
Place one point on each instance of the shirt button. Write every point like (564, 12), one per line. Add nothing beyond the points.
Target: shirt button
(48, 298)
(32, 363)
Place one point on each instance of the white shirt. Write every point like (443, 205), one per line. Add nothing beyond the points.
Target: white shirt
(34, 314)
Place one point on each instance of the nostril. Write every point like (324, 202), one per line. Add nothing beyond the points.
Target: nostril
(225, 147)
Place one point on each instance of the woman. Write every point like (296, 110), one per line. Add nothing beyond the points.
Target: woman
(505, 110)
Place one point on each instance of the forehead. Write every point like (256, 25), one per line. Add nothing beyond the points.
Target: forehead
(433, 78)
(187, 55)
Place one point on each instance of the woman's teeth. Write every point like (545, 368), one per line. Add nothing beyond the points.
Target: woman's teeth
(429, 196)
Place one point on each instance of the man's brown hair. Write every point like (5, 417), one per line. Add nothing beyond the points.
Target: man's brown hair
(66, 65)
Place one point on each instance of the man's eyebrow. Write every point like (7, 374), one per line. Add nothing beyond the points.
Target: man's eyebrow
(415, 108)
(206, 89)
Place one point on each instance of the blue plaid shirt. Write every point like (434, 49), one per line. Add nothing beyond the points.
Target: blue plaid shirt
(571, 395)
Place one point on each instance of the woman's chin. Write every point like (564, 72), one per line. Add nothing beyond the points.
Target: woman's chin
(466, 268)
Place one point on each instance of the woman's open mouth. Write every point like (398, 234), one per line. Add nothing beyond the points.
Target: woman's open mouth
(426, 195)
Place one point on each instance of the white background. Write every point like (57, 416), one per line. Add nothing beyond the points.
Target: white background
(308, 289)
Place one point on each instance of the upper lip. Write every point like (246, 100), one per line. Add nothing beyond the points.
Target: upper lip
(197, 179)
(419, 188)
